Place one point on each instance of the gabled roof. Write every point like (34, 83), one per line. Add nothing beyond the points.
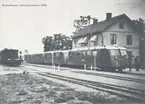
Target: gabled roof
(100, 26)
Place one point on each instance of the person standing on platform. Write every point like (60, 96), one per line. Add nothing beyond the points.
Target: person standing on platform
(130, 62)
(133, 62)
(137, 63)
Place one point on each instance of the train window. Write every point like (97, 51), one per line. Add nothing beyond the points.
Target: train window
(47, 55)
(105, 52)
(114, 52)
(54, 54)
(94, 53)
(50, 54)
(83, 53)
(70, 53)
(65, 54)
(57, 54)
(61, 54)
(78, 53)
(75, 53)
(123, 52)
(89, 52)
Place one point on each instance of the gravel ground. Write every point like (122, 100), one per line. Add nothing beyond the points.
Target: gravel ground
(27, 89)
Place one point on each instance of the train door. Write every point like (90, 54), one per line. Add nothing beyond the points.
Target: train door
(89, 57)
(71, 58)
(94, 53)
(83, 57)
(74, 58)
(65, 57)
(123, 58)
(115, 58)
(103, 58)
(55, 58)
(60, 58)
(48, 58)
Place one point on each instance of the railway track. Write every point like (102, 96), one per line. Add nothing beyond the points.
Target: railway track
(66, 68)
(131, 93)
(136, 80)
(112, 76)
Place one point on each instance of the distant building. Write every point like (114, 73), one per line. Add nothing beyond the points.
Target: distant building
(114, 30)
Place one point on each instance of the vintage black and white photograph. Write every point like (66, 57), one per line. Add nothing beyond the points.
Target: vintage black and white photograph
(72, 51)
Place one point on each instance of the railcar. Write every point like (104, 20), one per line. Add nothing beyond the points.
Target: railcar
(10, 57)
(110, 57)
(103, 57)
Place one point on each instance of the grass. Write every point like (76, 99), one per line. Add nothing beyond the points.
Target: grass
(27, 89)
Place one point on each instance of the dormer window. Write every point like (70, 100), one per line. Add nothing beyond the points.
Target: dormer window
(121, 25)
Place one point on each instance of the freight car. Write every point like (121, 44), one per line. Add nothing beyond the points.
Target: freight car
(103, 57)
(10, 57)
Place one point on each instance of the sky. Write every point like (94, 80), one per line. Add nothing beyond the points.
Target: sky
(23, 27)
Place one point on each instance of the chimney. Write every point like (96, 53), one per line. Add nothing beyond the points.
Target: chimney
(108, 16)
(95, 21)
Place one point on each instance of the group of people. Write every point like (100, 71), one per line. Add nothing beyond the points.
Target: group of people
(134, 62)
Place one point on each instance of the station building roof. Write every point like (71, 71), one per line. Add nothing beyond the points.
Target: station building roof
(100, 26)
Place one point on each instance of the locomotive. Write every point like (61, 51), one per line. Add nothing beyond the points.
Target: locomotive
(102, 57)
(10, 57)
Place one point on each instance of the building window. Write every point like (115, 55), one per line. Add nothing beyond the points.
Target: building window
(121, 25)
(113, 39)
(129, 39)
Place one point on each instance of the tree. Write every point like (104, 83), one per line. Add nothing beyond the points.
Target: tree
(48, 43)
(57, 42)
(66, 42)
(82, 22)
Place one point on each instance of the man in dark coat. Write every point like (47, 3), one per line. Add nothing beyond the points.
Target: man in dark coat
(137, 63)
(130, 62)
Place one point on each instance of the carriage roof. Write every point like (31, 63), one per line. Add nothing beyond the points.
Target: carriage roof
(6, 49)
(84, 48)
(99, 47)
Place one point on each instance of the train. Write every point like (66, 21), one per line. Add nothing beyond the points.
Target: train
(10, 57)
(102, 57)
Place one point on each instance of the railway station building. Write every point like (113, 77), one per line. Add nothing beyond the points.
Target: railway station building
(114, 30)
